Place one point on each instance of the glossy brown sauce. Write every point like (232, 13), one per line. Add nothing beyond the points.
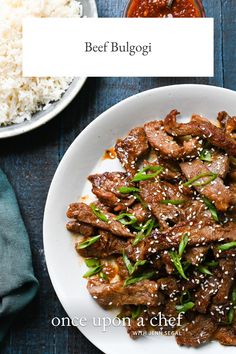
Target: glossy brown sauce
(159, 8)
(110, 271)
(110, 154)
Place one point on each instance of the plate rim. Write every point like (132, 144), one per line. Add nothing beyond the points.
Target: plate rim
(71, 147)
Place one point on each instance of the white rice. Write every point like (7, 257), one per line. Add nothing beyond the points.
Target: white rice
(21, 97)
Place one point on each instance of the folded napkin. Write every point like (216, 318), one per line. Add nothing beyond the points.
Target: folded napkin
(18, 285)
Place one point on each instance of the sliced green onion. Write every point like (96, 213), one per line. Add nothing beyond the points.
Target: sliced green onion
(138, 264)
(183, 244)
(130, 267)
(233, 296)
(103, 276)
(227, 246)
(136, 312)
(126, 219)
(144, 232)
(212, 176)
(185, 307)
(176, 259)
(212, 208)
(127, 263)
(90, 263)
(137, 196)
(173, 201)
(99, 214)
(230, 316)
(143, 176)
(88, 242)
(128, 190)
(205, 155)
(212, 264)
(204, 270)
(132, 280)
(185, 297)
(93, 271)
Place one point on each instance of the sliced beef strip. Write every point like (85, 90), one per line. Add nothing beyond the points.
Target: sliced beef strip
(153, 192)
(226, 336)
(116, 294)
(228, 272)
(199, 235)
(196, 255)
(219, 313)
(203, 296)
(122, 269)
(166, 145)
(196, 210)
(219, 164)
(228, 123)
(139, 212)
(131, 148)
(200, 331)
(138, 327)
(106, 188)
(169, 286)
(200, 127)
(167, 262)
(137, 252)
(80, 228)
(83, 213)
(171, 169)
(107, 245)
(215, 191)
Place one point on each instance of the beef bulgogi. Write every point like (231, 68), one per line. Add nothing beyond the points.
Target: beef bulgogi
(161, 236)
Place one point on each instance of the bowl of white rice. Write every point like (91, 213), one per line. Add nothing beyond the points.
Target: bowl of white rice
(27, 103)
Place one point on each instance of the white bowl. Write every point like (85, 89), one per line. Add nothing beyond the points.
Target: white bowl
(42, 117)
(69, 183)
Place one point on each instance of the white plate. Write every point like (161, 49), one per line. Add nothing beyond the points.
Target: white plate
(69, 184)
(42, 117)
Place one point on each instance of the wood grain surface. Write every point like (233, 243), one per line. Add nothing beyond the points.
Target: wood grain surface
(30, 162)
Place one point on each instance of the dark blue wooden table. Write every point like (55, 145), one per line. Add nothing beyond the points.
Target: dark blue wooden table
(31, 160)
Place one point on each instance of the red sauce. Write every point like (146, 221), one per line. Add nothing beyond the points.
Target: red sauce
(159, 8)
(110, 154)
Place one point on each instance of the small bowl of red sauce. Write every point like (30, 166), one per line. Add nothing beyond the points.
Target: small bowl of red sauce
(165, 8)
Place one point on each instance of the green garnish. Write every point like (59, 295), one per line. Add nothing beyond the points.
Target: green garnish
(103, 276)
(95, 267)
(126, 219)
(127, 190)
(230, 316)
(130, 267)
(176, 259)
(92, 262)
(227, 246)
(99, 214)
(205, 155)
(212, 176)
(143, 176)
(204, 270)
(131, 280)
(127, 263)
(185, 307)
(185, 297)
(173, 201)
(212, 264)
(233, 296)
(183, 244)
(88, 242)
(137, 196)
(136, 312)
(212, 208)
(93, 271)
(145, 231)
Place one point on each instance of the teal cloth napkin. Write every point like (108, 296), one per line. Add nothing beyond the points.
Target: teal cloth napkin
(18, 285)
